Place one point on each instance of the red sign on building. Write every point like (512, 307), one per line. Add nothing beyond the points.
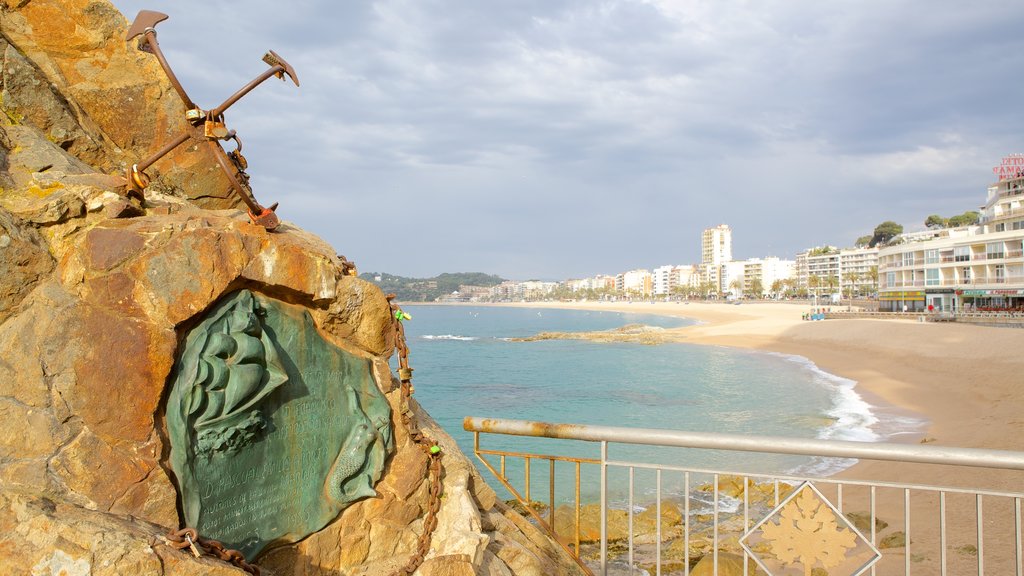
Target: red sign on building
(1011, 167)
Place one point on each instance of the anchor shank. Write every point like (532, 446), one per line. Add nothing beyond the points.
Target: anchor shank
(151, 40)
(229, 171)
(216, 112)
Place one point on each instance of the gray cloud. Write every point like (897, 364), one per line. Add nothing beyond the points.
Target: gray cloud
(567, 138)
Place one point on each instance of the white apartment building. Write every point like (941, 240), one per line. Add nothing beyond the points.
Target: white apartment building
(972, 267)
(837, 270)
(715, 250)
(599, 282)
(731, 275)
(636, 283)
(749, 273)
(769, 270)
(665, 279)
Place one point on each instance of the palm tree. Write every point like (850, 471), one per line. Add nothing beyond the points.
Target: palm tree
(812, 284)
(737, 287)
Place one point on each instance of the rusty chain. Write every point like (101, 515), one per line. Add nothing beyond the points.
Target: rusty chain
(189, 538)
(425, 443)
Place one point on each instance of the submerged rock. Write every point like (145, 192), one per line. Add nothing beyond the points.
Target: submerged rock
(638, 333)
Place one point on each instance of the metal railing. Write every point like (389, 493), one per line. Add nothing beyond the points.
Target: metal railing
(989, 521)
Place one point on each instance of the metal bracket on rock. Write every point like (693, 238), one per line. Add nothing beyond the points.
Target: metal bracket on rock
(206, 125)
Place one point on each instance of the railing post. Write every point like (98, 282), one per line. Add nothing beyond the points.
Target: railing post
(604, 508)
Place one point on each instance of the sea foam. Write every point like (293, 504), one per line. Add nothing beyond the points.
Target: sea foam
(852, 419)
(448, 337)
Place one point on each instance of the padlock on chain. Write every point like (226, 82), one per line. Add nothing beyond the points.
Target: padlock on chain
(215, 129)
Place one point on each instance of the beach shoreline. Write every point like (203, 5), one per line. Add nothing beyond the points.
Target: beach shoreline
(962, 380)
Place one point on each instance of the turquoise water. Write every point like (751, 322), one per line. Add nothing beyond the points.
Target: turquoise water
(465, 366)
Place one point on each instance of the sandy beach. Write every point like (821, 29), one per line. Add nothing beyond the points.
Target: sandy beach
(966, 381)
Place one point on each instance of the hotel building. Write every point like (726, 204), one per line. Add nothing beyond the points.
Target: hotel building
(968, 268)
(715, 250)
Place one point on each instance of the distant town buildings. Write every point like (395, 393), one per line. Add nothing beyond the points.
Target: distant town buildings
(977, 267)
(969, 267)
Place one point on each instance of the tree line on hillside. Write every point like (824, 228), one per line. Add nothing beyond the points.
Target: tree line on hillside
(886, 231)
(428, 289)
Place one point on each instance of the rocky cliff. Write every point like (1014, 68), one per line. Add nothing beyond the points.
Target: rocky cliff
(99, 296)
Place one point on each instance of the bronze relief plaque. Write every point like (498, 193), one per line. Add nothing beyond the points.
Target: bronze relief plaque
(273, 430)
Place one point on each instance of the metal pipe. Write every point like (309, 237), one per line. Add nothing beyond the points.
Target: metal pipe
(714, 539)
(874, 534)
(604, 509)
(657, 516)
(906, 532)
(526, 472)
(942, 532)
(976, 457)
(551, 493)
(686, 526)
(577, 509)
(1016, 535)
(981, 539)
(631, 469)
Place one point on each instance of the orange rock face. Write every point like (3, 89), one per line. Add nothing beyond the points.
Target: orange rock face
(71, 74)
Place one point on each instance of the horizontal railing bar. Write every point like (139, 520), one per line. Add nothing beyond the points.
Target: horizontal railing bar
(975, 457)
(761, 475)
(816, 479)
(538, 456)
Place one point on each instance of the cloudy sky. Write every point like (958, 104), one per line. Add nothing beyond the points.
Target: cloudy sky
(559, 138)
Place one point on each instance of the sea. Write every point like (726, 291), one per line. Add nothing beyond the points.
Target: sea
(466, 364)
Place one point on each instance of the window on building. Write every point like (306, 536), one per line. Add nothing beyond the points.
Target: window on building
(890, 279)
(1018, 225)
(965, 275)
(994, 250)
(1001, 227)
(961, 254)
(908, 258)
(931, 256)
(1000, 274)
(931, 277)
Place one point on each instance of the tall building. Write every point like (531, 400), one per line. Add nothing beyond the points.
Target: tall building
(715, 250)
(970, 267)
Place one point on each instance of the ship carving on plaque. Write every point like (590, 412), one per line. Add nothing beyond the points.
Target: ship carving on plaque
(273, 429)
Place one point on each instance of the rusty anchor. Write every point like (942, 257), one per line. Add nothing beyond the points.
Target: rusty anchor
(206, 125)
